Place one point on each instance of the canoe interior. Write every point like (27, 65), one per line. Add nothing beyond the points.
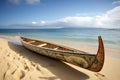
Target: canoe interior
(46, 45)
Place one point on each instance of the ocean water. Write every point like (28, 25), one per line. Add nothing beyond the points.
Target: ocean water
(87, 36)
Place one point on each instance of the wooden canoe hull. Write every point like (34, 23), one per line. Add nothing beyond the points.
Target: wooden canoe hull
(87, 61)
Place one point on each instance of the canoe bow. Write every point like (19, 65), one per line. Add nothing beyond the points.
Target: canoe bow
(98, 62)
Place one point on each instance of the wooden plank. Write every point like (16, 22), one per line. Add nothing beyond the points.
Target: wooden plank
(41, 45)
(56, 48)
(31, 42)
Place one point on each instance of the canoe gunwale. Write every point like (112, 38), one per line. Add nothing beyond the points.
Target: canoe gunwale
(85, 53)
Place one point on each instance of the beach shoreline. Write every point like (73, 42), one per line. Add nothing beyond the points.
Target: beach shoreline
(18, 61)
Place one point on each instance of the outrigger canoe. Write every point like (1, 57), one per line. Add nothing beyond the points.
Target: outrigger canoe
(92, 62)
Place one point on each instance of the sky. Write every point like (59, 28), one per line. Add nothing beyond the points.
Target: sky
(60, 13)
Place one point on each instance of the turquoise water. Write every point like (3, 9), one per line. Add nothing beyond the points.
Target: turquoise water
(85, 36)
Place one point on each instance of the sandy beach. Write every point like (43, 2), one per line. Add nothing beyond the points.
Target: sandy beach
(18, 63)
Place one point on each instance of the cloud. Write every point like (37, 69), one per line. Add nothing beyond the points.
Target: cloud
(14, 1)
(34, 22)
(24, 1)
(116, 2)
(32, 1)
(110, 19)
(74, 21)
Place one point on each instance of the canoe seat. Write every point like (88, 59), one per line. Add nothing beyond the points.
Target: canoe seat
(31, 42)
(44, 44)
(56, 48)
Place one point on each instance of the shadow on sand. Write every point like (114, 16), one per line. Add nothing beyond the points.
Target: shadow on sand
(58, 68)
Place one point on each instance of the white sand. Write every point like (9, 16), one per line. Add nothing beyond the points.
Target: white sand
(18, 63)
